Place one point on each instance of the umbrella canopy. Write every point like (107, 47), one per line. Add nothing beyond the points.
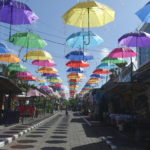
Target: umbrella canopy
(101, 71)
(16, 13)
(50, 75)
(47, 70)
(55, 80)
(77, 64)
(74, 86)
(38, 55)
(44, 87)
(43, 84)
(94, 79)
(106, 66)
(3, 49)
(32, 78)
(75, 76)
(89, 14)
(78, 40)
(122, 52)
(16, 67)
(9, 58)
(79, 55)
(144, 13)
(74, 80)
(135, 39)
(76, 70)
(97, 76)
(34, 92)
(24, 74)
(41, 81)
(113, 60)
(27, 40)
(44, 63)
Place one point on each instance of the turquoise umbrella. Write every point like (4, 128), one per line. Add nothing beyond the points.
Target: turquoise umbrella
(106, 66)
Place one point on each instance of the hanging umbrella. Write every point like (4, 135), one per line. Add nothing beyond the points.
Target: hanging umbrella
(135, 39)
(43, 84)
(32, 78)
(9, 58)
(27, 40)
(50, 75)
(74, 80)
(77, 64)
(101, 71)
(41, 81)
(3, 49)
(94, 79)
(76, 70)
(24, 74)
(89, 14)
(78, 40)
(97, 76)
(122, 52)
(75, 76)
(48, 70)
(74, 86)
(38, 55)
(106, 66)
(113, 60)
(44, 87)
(53, 78)
(44, 63)
(144, 13)
(79, 55)
(16, 67)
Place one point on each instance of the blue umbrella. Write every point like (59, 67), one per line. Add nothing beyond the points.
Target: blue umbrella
(144, 13)
(97, 76)
(79, 55)
(76, 70)
(3, 49)
(77, 40)
(106, 66)
(43, 84)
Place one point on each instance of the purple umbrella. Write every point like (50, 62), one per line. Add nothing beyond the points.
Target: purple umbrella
(50, 75)
(135, 39)
(44, 63)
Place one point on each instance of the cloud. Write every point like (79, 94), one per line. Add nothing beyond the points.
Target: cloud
(104, 52)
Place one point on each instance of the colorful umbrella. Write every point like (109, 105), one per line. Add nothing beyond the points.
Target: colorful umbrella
(79, 55)
(75, 76)
(9, 58)
(77, 64)
(16, 13)
(45, 87)
(48, 70)
(144, 13)
(16, 67)
(113, 60)
(27, 40)
(44, 63)
(24, 74)
(106, 66)
(32, 78)
(97, 76)
(3, 49)
(76, 70)
(122, 52)
(101, 71)
(41, 81)
(50, 75)
(135, 39)
(38, 55)
(89, 14)
(78, 40)
(74, 80)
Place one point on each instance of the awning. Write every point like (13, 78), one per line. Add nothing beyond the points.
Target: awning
(7, 86)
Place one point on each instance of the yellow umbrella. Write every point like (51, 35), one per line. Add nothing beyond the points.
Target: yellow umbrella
(89, 14)
(73, 87)
(55, 80)
(94, 79)
(41, 81)
(48, 70)
(38, 55)
(9, 58)
(75, 76)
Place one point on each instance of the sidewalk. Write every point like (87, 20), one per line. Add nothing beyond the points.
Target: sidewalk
(9, 133)
(114, 138)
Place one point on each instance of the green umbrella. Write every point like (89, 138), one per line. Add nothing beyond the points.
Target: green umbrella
(27, 40)
(113, 60)
(16, 67)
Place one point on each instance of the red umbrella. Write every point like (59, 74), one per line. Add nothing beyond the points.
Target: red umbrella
(77, 64)
(32, 78)
(101, 71)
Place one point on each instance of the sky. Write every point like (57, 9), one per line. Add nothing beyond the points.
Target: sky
(52, 27)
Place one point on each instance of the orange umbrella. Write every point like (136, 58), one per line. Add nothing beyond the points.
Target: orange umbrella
(9, 58)
(94, 79)
(75, 76)
(48, 70)
(77, 64)
(73, 86)
(101, 71)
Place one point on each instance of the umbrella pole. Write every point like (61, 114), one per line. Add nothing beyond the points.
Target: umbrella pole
(131, 70)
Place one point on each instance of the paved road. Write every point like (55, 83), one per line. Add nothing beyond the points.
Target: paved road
(60, 133)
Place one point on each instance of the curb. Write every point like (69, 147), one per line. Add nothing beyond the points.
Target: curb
(10, 139)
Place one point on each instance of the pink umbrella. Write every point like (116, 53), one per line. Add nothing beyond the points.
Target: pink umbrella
(122, 52)
(24, 74)
(45, 87)
(44, 63)
(33, 92)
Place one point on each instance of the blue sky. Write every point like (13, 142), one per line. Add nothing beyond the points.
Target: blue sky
(52, 27)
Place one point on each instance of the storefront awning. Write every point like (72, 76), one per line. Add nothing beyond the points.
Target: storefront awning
(34, 92)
